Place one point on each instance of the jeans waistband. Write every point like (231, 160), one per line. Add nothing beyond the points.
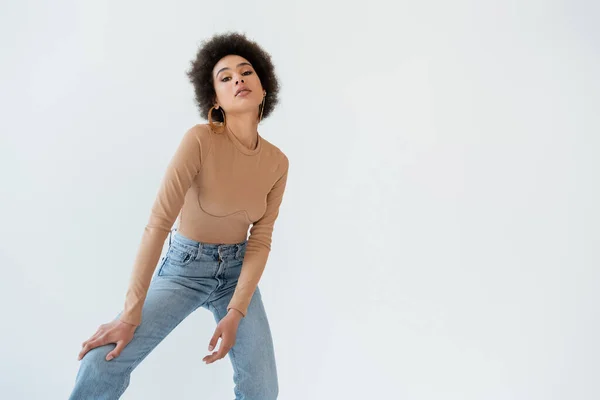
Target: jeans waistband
(207, 248)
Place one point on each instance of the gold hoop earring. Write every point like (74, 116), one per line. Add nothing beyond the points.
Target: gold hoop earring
(210, 120)
(262, 108)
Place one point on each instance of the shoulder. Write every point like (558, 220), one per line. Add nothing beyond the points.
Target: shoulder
(201, 131)
(198, 135)
(272, 151)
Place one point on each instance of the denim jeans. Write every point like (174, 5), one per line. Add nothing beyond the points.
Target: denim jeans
(191, 275)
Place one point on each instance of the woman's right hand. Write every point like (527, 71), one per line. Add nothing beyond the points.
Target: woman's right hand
(116, 331)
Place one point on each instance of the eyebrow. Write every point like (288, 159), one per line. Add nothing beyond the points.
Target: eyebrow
(239, 65)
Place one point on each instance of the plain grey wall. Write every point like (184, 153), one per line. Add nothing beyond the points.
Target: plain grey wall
(439, 234)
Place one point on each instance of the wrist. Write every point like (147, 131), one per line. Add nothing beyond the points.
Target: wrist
(236, 313)
(127, 322)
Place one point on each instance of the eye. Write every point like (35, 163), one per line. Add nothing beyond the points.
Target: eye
(243, 73)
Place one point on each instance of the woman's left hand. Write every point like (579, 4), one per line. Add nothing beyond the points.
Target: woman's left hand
(226, 330)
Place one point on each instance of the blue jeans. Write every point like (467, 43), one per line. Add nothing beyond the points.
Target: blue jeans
(191, 275)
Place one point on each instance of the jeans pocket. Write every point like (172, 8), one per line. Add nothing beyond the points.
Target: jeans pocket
(180, 254)
(161, 264)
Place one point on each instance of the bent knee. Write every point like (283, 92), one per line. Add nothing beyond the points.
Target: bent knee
(94, 363)
(97, 355)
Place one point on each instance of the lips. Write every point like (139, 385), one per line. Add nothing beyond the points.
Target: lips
(242, 89)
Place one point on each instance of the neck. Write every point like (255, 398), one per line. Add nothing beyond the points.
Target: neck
(245, 128)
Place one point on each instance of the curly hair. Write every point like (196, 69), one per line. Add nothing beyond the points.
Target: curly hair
(219, 46)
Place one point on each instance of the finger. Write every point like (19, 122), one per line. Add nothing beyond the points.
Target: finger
(91, 345)
(217, 355)
(223, 350)
(214, 339)
(116, 351)
(210, 358)
(96, 335)
(85, 349)
(92, 338)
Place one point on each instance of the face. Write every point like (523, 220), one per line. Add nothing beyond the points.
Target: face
(231, 74)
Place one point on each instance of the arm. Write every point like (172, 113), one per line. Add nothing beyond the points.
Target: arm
(181, 171)
(259, 246)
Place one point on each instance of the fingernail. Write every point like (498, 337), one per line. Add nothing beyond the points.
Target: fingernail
(210, 347)
(109, 357)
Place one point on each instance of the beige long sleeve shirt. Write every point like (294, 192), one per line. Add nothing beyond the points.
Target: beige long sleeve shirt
(218, 188)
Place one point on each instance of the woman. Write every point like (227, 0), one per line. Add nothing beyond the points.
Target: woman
(222, 178)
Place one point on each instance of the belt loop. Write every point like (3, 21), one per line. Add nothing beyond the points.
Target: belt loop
(170, 234)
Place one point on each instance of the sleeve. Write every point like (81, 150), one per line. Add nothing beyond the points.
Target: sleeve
(185, 164)
(259, 246)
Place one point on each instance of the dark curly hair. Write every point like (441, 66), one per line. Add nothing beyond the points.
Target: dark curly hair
(219, 46)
